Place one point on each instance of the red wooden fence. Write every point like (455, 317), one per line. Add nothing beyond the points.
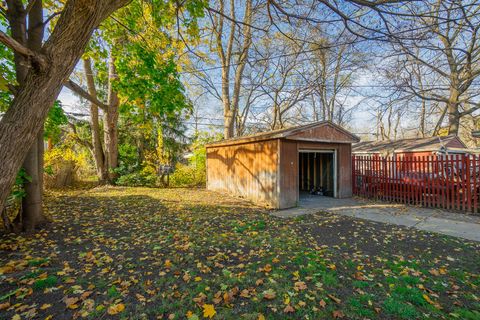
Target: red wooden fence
(441, 181)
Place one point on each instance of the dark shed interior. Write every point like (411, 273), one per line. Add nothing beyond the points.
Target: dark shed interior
(316, 173)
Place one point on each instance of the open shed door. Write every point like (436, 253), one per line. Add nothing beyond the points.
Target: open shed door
(317, 172)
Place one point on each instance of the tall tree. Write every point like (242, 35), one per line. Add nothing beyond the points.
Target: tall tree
(27, 28)
(232, 47)
(445, 47)
(98, 153)
(48, 68)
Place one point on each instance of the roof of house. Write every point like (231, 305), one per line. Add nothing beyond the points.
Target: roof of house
(409, 145)
(287, 132)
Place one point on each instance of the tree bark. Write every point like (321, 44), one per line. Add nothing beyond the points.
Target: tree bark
(98, 153)
(31, 39)
(110, 123)
(22, 122)
(453, 112)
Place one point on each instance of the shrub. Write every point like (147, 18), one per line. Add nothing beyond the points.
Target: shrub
(146, 177)
(61, 167)
(188, 176)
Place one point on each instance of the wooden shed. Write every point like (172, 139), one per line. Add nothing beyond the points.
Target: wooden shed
(274, 168)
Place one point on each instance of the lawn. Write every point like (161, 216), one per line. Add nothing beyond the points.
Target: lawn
(142, 253)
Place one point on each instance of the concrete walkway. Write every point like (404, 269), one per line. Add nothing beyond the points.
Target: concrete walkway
(434, 220)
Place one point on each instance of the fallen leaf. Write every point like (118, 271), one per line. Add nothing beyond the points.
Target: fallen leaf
(335, 299)
(338, 314)
(115, 308)
(289, 309)
(269, 294)
(322, 303)
(300, 285)
(209, 311)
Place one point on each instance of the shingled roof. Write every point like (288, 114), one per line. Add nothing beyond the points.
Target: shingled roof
(285, 133)
(409, 145)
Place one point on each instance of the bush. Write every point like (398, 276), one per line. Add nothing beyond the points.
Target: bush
(62, 166)
(188, 176)
(143, 178)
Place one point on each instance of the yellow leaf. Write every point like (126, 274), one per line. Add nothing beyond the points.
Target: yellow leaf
(427, 298)
(45, 306)
(168, 264)
(197, 279)
(115, 308)
(208, 311)
(261, 317)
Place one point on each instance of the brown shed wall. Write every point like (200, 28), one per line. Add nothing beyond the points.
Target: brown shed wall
(248, 170)
(288, 173)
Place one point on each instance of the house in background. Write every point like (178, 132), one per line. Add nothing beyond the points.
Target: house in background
(415, 147)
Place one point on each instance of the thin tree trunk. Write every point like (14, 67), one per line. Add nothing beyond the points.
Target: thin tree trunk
(98, 153)
(110, 123)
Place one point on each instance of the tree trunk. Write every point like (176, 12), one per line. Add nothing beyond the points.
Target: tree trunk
(110, 123)
(98, 154)
(31, 210)
(453, 112)
(32, 202)
(22, 122)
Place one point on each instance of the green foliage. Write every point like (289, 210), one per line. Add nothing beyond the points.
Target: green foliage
(140, 178)
(55, 119)
(187, 176)
(7, 73)
(400, 309)
(48, 282)
(194, 174)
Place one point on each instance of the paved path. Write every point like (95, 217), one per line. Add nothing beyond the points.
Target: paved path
(435, 220)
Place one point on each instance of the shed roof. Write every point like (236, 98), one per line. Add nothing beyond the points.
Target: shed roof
(292, 132)
(409, 145)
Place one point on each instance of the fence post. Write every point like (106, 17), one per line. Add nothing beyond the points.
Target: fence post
(469, 182)
(354, 180)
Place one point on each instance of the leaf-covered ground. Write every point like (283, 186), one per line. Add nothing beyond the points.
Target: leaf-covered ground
(173, 254)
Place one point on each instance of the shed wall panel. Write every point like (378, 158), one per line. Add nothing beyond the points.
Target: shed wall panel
(288, 174)
(249, 170)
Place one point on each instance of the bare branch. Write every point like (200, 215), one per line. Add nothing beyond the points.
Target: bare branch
(84, 94)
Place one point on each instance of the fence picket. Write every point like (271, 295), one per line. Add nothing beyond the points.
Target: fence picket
(441, 181)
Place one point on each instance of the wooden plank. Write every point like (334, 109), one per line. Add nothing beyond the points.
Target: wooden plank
(434, 181)
(468, 183)
(475, 183)
(458, 181)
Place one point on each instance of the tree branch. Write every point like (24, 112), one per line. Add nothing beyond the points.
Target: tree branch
(22, 50)
(84, 94)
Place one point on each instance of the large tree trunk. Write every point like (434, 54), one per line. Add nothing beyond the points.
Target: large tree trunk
(110, 123)
(453, 112)
(98, 154)
(31, 210)
(23, 120)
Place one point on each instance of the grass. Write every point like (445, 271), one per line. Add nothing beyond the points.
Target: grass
(168, 253)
